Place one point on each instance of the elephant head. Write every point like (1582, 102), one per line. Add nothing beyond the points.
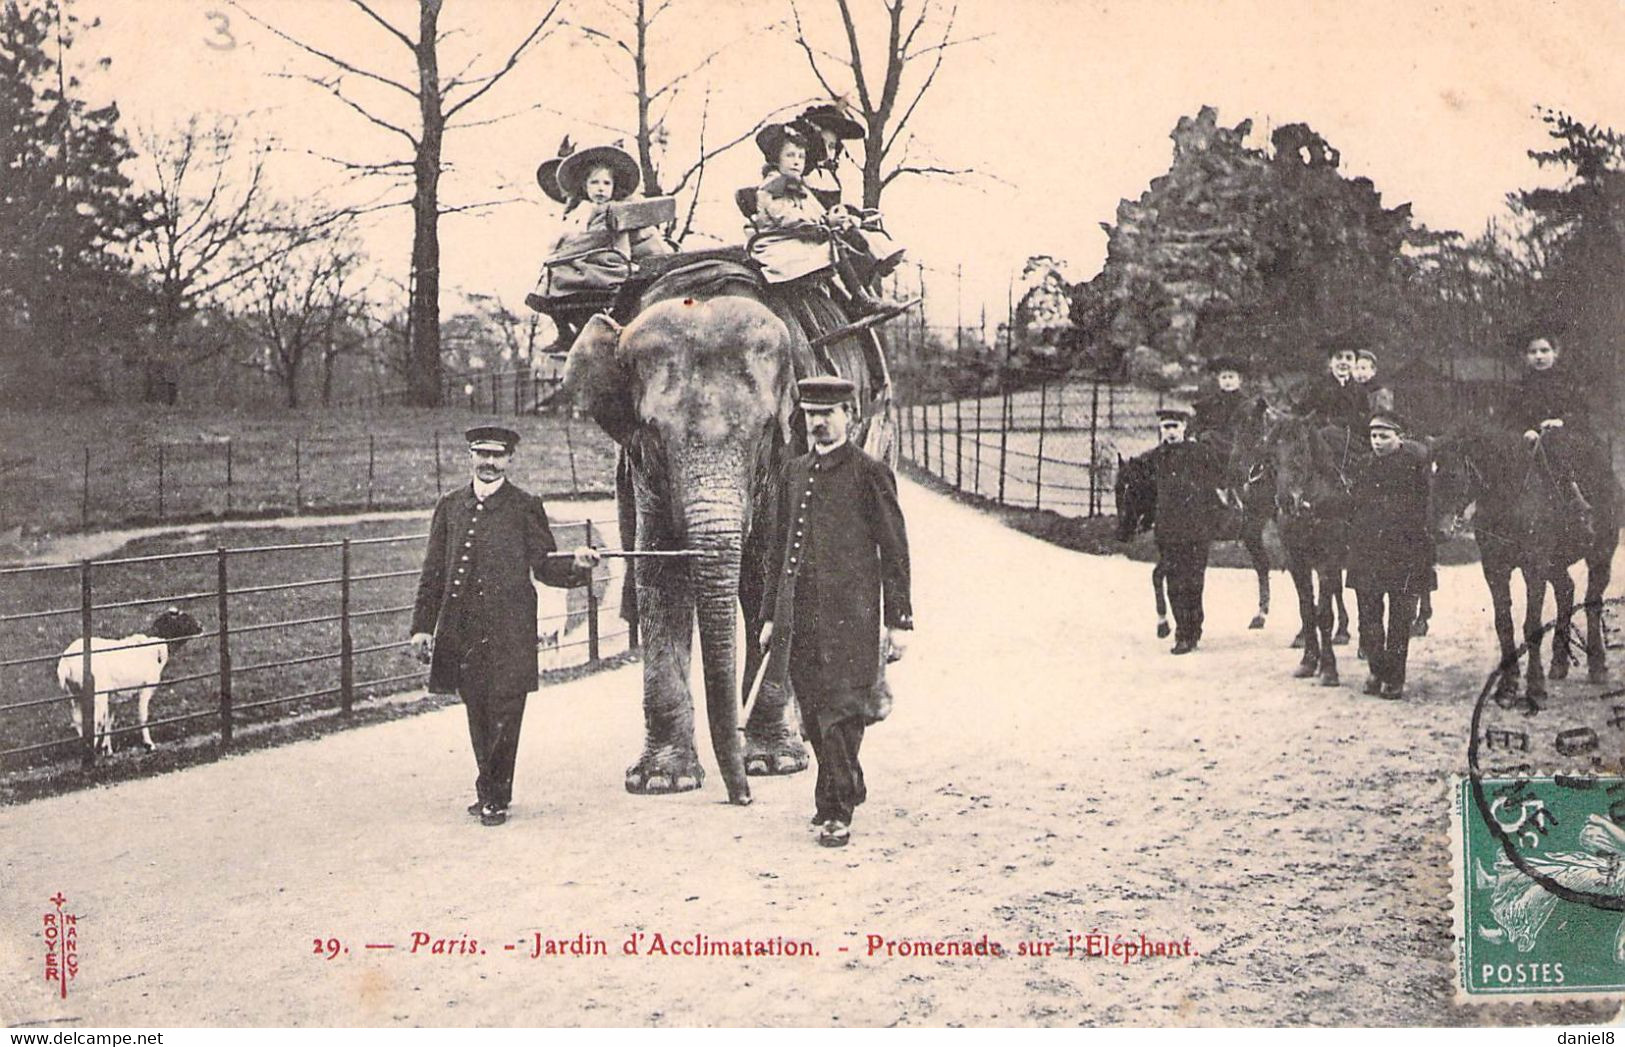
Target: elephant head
(697, 393)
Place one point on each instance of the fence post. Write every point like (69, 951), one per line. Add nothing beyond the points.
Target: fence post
(959, 446)
(592, 610)
(1043, 413)
(160, 481)
(925, 418)
(942, 442)
(493, 379)
(298, 478)
(87, 696)
(1004, 432)
(516, 388)
(346, 642)
(437, 491)
(976, 476)
(222, 613)
(84, 503)
(370, 461)
(1094, 463)
(228, 474)
(570, 450)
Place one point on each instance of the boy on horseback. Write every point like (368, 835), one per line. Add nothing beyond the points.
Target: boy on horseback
(1550, 407)
(1336, 398)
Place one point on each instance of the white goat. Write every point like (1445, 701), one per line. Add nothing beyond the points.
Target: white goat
(131, 665)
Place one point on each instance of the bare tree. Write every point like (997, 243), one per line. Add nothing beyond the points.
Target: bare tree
(874, 83)
(437, 101)
(624, 31)
(299, 308)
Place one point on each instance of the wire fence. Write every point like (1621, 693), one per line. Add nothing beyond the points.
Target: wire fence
(516, 390)
(343, 605)
(305, 470)
(1051, 445)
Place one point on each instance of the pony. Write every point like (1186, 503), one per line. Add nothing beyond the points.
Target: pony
(1135, 493)
(1311, 465)
(1521, 521)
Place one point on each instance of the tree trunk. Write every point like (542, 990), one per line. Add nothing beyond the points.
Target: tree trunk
(424, 381)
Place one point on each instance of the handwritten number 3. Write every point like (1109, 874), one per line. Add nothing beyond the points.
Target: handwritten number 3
(222, 32)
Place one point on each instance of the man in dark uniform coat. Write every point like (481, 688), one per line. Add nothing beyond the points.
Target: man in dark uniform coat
(475, 616)
(1335, 396)
(1188, 477)
(842, 556)
(1390, 551)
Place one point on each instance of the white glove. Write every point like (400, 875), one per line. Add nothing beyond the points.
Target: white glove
(767, 635)
(896, 644)
(586, 556)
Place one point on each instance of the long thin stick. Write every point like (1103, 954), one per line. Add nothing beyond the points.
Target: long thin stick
(755, 691)
(630, 554)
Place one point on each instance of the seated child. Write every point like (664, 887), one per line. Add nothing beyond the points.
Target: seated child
(1550, 408)
(584, 257)
(793, 231)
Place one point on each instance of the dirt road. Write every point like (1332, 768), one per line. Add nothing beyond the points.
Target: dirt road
(1049, 770)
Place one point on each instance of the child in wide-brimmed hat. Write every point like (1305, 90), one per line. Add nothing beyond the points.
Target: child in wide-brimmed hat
(793, 232)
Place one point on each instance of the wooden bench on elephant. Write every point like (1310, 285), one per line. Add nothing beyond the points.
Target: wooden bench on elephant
(625, 217)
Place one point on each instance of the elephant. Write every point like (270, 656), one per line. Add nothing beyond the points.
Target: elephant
(698, 391)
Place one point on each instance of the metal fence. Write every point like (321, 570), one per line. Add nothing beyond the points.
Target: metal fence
(1050, 445)
(232, 477)
(354, 651)
(517, 390)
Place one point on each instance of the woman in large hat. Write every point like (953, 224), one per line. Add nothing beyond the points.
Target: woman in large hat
(875, 253)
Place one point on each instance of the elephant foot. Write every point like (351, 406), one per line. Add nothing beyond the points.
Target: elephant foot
(1257, 622)
(669, 771)
(1163, 630)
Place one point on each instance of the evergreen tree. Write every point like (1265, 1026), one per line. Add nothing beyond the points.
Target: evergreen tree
(67, 298)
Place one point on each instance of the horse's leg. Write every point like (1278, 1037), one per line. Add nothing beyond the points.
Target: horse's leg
(1498, 577)
(1534, 586)
(1562, 631)
(1303, 580)
(1252, 538)
(1598, 569)
(1424, 613)
(1335, 579)
(1330, 601)
(1159, 589)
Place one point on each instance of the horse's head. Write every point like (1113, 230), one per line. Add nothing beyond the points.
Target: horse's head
(1136, 496)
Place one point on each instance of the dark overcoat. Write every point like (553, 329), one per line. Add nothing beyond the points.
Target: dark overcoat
(1189, 475)
(476, 588)
(1551, 393)
(1390, 542)
(1338, 404)
(1217, 413)
(842, 552)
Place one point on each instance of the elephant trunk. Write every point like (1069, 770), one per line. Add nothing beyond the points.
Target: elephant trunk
(714, 509)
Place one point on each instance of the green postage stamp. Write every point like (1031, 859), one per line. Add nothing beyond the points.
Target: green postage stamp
(1539, 886)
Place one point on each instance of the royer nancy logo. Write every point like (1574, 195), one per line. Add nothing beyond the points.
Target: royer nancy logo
(61, 945)
(1540, 885)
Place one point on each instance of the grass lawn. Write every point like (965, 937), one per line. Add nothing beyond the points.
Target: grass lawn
(32, 711)
(280, 462)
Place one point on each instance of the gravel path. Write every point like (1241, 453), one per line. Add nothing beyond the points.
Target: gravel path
(1049, 770)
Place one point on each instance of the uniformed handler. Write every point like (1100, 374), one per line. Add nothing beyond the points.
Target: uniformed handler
(842, 556)
(1390, 551)
(1188, 477)
(475, 617)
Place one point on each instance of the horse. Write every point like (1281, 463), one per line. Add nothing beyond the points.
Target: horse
(1311, 467)
(1245, 468)
(1136, 495)
(1521, 521)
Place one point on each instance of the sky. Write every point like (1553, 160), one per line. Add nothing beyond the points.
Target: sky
(1060, 108)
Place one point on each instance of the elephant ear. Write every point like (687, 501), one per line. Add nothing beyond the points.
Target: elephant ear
(595, 374)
